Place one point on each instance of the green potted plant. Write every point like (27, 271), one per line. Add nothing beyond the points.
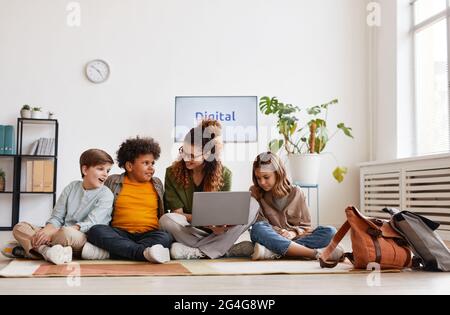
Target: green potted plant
(303, 143)
(2, 180)
(25, 112)
(36, 113)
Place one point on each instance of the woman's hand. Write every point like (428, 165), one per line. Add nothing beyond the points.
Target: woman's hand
(290, 235)
(188, 217)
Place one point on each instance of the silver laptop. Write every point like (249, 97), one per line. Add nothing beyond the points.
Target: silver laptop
(220, 208)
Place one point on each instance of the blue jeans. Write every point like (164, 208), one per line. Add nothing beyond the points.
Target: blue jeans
(124, 245)
(263, 233)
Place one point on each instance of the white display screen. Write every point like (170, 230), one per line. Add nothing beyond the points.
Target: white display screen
(237, 114)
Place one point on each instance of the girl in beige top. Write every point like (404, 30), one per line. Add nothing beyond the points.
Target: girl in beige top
(284, 227)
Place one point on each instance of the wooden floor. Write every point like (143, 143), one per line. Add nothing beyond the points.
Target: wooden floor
(398, 283)
(417, 283)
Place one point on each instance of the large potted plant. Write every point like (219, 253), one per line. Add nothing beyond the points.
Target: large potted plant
(303, 143)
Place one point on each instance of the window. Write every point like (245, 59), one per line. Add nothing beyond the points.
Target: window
(431, 31)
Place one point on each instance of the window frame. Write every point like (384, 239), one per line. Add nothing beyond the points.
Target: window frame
(415, 29)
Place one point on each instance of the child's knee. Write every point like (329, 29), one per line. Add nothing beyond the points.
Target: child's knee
(18, 228)
(96, 230)
(67, 236)
(62, 237)
(21, 230)
(330, 230)
(258, 225)
(256, 230)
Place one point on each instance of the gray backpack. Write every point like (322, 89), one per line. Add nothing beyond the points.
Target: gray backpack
(431, 253)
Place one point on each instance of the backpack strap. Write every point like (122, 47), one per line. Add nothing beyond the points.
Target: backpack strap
(324, 263)
(391, 211)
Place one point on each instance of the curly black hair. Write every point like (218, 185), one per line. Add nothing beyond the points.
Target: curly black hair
(131, 149)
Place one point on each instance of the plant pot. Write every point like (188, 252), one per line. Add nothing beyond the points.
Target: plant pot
(36, 114)
(2, 184)
(25, 113)
(305, 168)
(51, 116)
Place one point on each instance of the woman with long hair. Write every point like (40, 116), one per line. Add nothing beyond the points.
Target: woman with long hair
(199, 169)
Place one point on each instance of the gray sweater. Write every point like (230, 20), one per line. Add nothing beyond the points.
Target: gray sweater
(83, 207)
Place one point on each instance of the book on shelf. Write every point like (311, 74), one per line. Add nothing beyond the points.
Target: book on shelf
(29, 177)
(2, 139)
(43, 146)
(7, 141)
(10, 144)
(33, 148)
(48, 176)
(40, 176)
(52, 148)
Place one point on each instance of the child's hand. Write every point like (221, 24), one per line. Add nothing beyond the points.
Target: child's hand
(76, 227)
(41, 238)
(306, 231)
(287, 234)
(44, 236)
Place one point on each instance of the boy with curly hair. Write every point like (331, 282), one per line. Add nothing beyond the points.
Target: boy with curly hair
(138, 204)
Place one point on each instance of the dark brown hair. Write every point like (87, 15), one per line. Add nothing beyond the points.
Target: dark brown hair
(94, 157)
(131, 149)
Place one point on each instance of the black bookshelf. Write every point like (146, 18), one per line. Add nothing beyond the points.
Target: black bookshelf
(20, 157)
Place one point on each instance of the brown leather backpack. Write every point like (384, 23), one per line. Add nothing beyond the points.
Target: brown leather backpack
(373, 241)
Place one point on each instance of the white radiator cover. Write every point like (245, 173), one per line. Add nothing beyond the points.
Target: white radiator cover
(420, 185)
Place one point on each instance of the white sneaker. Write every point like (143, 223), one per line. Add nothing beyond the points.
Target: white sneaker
(57, 254)
(262, 253)
(92, 252)
(12, 249)
(336, 255)
(181, 251)
(157, 254)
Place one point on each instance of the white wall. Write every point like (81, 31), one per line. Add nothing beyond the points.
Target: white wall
(303, 51)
